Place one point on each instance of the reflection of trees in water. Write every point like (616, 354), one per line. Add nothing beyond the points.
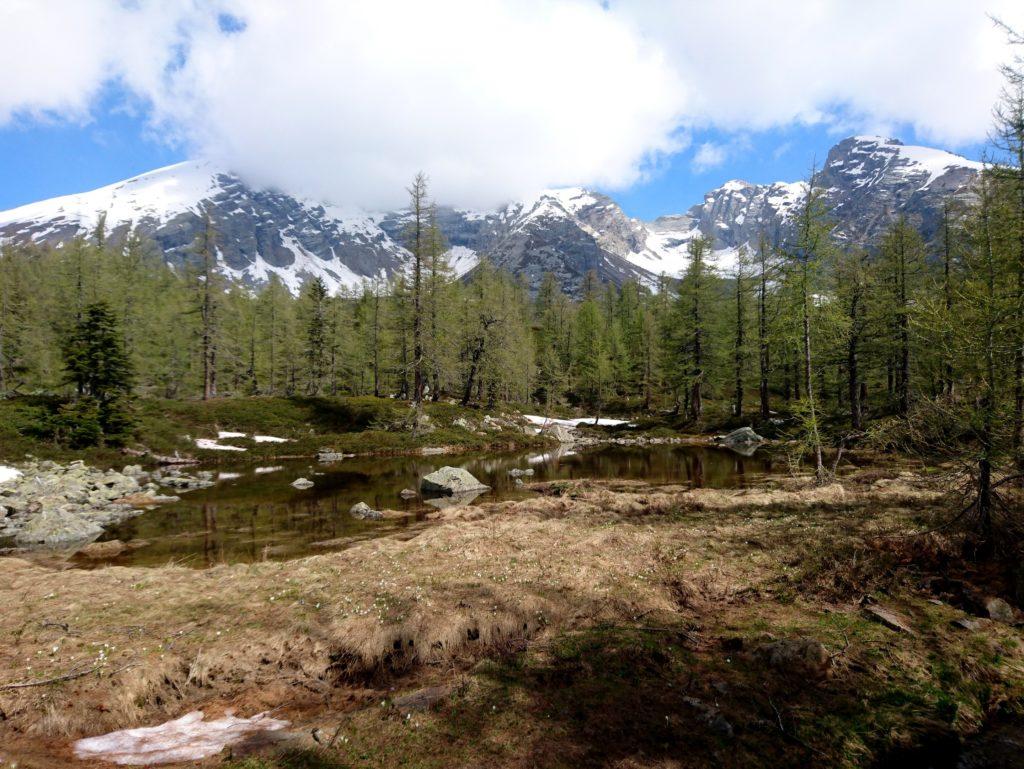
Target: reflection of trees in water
(237, 521)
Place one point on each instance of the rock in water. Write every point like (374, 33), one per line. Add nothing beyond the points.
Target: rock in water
(302, 483)
(364, 512)
(451, 480)
(408, 494)
(57, 528)
(743, 441)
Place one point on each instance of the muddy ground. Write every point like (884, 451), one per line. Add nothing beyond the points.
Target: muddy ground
(599, 624)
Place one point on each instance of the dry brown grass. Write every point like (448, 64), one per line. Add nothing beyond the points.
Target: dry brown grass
(330, 632)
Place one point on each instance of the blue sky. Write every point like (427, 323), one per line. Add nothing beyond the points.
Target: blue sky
(45, 159)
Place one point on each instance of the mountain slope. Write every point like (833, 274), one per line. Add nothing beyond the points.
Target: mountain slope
(568, 232)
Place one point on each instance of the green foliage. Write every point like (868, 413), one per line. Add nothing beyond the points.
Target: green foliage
(96, 364)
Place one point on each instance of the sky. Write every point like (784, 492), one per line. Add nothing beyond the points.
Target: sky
(653, 101)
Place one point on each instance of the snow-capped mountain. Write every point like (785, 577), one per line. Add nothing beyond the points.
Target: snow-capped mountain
(568, 232)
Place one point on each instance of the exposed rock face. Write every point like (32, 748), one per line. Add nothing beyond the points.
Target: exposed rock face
(567, 232)
(451, 480)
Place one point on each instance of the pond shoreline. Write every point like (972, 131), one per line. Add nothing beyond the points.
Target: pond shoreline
(546, 597)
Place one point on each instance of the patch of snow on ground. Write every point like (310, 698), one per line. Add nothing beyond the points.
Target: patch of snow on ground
(212, 445)
(269, 439)
(543, 421)
(8, 473)
(228, 434)
(189, 738)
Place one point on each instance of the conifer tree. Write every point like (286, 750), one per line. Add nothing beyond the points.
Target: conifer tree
(96, 363)
(315, 295)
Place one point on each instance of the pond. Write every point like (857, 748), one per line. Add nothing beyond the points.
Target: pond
(253, 513)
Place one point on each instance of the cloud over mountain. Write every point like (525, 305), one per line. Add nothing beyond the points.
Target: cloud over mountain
(495, 98)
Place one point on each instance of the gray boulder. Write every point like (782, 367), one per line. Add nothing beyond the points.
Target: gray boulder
(57, 528)
(364, 512)
(408, 494)
(561, 433)
(451, 480)
(303, 483)
(1000, 610)
(517, 472)
(743, 441)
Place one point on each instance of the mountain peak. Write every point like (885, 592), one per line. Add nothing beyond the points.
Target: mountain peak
(568, 231)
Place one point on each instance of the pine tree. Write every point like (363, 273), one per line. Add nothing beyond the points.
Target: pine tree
(315, 295)
(804, 257)
(590, 361)
(207, 288)
(96, 363)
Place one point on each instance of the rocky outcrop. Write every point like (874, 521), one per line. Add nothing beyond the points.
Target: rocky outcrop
(451, 480)
(59, 506)
(566, 232)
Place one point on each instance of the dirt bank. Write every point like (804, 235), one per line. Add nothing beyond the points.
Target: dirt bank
(596, 625)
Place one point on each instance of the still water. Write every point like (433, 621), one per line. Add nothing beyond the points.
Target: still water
(253, 513)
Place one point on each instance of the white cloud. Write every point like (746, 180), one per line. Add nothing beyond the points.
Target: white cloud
(708, 155)
(496, 98)
(861, 66)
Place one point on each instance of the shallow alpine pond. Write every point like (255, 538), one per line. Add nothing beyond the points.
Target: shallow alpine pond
(253, 513)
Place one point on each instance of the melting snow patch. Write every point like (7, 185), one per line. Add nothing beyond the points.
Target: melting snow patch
(543, 421)
(188, 738)
(210, 443)
(228, 434)
(8, 473)
(268, 439)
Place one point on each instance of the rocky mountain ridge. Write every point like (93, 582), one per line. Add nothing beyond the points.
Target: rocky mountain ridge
(568, 232)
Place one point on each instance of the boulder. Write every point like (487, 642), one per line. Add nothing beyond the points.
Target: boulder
(464, 423)
(408, 494)
(103, 550)
(303, 483)
(57, 528)
(561, 433)
(743, 441)
(797, 656)
(364, 512)
(1000, 610)
(451, 480)
(517, 472)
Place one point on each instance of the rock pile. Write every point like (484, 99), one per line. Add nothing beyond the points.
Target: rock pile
(62, 505)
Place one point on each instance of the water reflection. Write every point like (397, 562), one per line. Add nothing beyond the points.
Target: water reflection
(254, 513)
